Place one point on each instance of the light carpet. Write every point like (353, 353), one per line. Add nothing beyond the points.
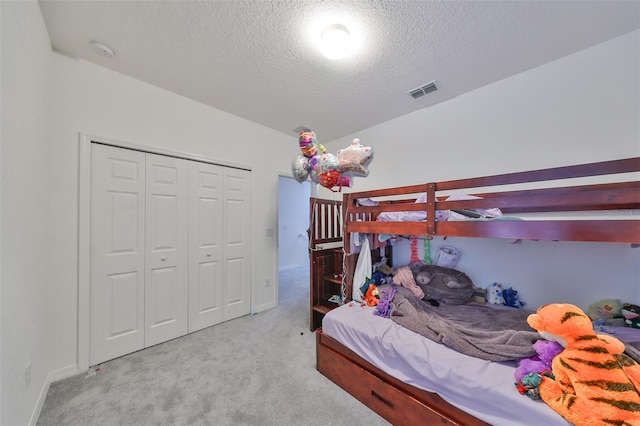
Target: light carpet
(254, 370)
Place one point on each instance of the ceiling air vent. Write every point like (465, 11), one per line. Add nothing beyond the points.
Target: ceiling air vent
(300, 129)
(423, 90)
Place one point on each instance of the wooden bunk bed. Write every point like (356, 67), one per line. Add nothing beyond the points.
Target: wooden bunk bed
(546, 192)
(325, 257)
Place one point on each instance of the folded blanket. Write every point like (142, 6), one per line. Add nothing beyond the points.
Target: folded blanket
(476, 330)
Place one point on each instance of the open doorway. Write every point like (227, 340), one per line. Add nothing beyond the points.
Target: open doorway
(293, 223)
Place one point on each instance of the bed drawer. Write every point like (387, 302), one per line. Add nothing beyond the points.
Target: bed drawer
(392, 404)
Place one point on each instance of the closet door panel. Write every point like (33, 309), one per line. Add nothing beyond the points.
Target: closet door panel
(237, 243)
(117, 253)
(166, 272)
(205, 245)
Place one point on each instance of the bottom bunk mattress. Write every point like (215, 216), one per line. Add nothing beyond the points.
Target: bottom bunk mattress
(484, 389)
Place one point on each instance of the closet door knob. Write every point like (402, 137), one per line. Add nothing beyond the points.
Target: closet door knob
(163, 258)
(209, 254)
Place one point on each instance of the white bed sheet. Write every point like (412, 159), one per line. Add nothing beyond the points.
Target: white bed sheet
(481, 388)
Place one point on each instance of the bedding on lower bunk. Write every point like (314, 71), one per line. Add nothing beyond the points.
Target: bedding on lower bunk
(482, 388)
(479, 331)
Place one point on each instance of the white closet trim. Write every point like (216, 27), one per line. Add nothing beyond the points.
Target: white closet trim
(84, 229)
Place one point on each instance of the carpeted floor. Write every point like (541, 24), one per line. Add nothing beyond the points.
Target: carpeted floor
(254, 370)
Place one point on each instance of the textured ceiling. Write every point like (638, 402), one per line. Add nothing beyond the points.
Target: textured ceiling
(259, 60)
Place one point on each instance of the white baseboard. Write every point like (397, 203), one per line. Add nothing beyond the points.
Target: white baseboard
(264, 307)
(53, 376)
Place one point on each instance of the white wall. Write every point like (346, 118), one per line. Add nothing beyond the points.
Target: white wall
(48, 99)
(293, 222)
(546, 272)
(582, 108)
(25, 224)
(97, 101)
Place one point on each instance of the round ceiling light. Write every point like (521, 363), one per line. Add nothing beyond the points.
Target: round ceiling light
(335, 41)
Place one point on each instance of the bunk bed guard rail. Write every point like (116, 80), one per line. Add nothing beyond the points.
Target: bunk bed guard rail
(618, 200)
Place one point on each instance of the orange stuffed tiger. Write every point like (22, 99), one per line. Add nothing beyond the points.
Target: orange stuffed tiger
(595, 383)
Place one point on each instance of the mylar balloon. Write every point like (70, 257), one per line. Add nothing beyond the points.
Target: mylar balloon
(308, 143)
(300, 168)
(344, 181)
(329, 179)
(355, 158)
(327, 162)
(314, 177)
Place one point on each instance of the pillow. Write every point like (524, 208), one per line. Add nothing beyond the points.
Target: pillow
(443, 284)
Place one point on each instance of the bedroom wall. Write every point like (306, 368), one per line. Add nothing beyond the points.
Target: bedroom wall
(52, 98)
(99, 102)
(581, 108)
(25, 224)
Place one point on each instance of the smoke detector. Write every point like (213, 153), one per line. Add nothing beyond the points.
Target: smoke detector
(425, 89)
(101, 49)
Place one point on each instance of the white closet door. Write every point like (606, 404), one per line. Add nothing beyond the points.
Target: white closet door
(205, 245)
(237, 243)
(167, 227)
(117, 252)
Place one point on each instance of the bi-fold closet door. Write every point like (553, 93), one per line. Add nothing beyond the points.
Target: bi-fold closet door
(170, 249)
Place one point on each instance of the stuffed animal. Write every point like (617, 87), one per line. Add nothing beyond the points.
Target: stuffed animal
(512, 299)
(631, 314)
(529, 385)
(494, 294)
(441, 284)
(372, 295)
(385, 304)
(546, 351)
(605, 309)
(595, 383)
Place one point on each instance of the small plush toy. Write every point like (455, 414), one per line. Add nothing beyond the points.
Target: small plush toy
(595, 383)
(546, 351)
(604, 309)
(512, 299)
(529, 384)
(494, 294)
(372, 295)
(385, 304)
(631, 314)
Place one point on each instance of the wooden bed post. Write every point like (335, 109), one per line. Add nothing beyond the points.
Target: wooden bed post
(349, 264)
(431, 209)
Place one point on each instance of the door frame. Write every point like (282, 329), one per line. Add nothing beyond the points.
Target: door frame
(84, 226)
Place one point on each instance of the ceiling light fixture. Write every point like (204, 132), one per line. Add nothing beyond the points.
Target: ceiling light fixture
(335, 41)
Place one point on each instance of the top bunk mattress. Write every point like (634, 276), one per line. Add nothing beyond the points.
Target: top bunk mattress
(481, 388)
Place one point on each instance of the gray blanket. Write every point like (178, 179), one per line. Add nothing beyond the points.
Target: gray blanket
(476, 330)
(633, 350)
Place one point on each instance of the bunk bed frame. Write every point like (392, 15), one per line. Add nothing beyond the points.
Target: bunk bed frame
(325, 224)
(618, 199)
(325, 256)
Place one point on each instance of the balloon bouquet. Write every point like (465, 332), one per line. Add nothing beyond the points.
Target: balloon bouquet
(327, 169)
